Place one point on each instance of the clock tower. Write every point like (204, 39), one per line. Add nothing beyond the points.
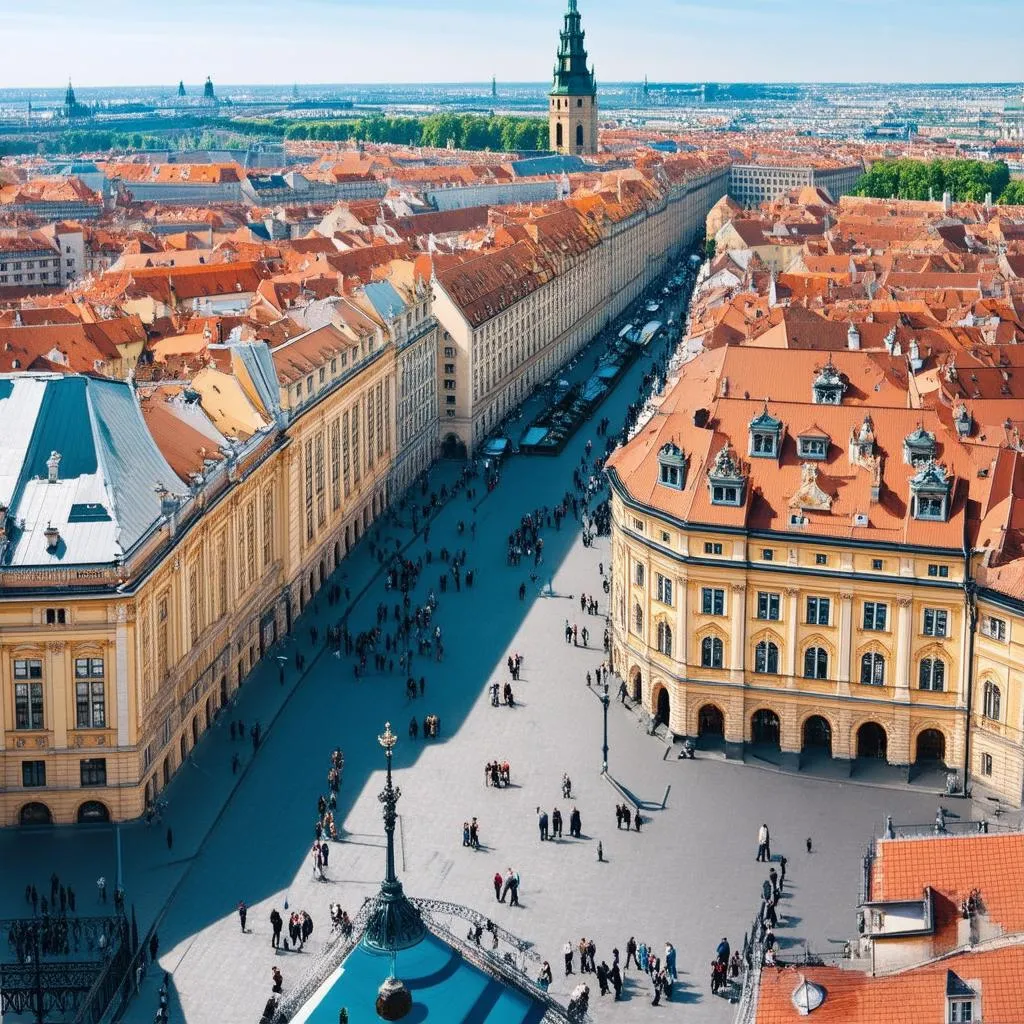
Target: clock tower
(572, 101)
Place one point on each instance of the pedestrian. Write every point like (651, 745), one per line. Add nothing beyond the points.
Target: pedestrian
(762, 843)
(545, 978)
(722, 951)
(567, 953)
(636, 818)
(615, 977)
(670, 960)
(242, 911)
(556, 823)
(276, 923)
(782, 873)
(631, 952)
(275, 973)
(497, 886)
(773, 877)
(602, 977)
(513, 897)
(101, 890)
(574, 823)
(543, 821)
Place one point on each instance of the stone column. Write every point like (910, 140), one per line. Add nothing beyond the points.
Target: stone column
(901, 675)
(121, 675)
(681, 649)
(739, 630)
(792, 612)
(845, 642)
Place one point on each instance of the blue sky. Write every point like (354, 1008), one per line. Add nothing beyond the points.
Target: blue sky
(116, 42)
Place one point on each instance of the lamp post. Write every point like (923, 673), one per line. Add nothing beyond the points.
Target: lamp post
(281, 660)
(395, 924)
(604, 748)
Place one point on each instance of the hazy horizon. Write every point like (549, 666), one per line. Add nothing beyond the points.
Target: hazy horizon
(676, 41)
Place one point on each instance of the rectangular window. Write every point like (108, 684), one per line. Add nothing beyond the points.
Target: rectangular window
(942, 571)
(767, 554)
(767, 605)
(90, 706)
(344, 454)
(357, 461)
(993, 627)
(56, 616)
(93, 771)
(961, 1011)
(666, 537)
(638, 574)
(935, 622)
(371, 424)
(194, 625)
(877, 563)
(309, 495)
(711, 548)
(33, 773)
(664, 589)
(638, 525)
(161, 639)
(986, 764)
(818, 609)
(321, 493)
(268, 526)
(712, 601)
(875, 615)
(820, 559)
(28, 695)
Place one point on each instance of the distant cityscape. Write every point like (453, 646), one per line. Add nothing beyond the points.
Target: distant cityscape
(572, 453)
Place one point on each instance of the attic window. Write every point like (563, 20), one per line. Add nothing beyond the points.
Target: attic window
(813, 447)
(930, 491)
(828, 387)
(672, 466)
(765, 435)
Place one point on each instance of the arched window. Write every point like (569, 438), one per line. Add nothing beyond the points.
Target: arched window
(872, 669)
(579, 135)
(933, 674)
(992, 704)
(638, 619)
(711, 652)
(665, 638)
(816, 663)
(766, 657)
(558, 136)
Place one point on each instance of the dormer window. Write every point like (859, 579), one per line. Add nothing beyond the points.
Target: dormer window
(726, 481)
(919, 447)
(672, 466)
(963, 1000)
(813, 445)
(765, 436)
(829, 386)
(930, 491)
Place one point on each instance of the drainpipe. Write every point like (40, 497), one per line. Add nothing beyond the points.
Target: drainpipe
(971, 609)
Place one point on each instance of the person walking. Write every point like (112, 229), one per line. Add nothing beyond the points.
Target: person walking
(631, 952)
(567, 953)
(615, 977)
(497, 886)
(556, 823)
(513, 893)
(276, 924)
(670, 960)
(242, 911)
(762, 843)
(543, 822)
(170, 839)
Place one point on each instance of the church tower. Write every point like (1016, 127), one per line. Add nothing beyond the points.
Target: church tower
(572, 102)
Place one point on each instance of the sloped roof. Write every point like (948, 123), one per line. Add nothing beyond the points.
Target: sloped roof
(109, 465)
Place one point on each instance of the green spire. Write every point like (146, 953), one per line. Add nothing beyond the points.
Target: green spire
(571, 76)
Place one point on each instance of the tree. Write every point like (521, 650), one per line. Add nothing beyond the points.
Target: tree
(710, 248)
(1013, 194)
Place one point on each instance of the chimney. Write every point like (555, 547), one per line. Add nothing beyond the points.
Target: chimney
(52, 466)
(947, 202)
(853, 337)
(52, 535)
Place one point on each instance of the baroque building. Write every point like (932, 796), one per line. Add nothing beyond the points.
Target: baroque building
(804, 563)
(572, 101)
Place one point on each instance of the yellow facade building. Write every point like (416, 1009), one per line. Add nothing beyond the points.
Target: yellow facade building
(799, 566)
(154, 546)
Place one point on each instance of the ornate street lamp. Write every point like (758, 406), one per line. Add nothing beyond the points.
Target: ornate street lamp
(604, 749)
(394, 924)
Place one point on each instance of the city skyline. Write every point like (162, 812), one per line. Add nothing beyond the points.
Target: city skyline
(399, 42)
